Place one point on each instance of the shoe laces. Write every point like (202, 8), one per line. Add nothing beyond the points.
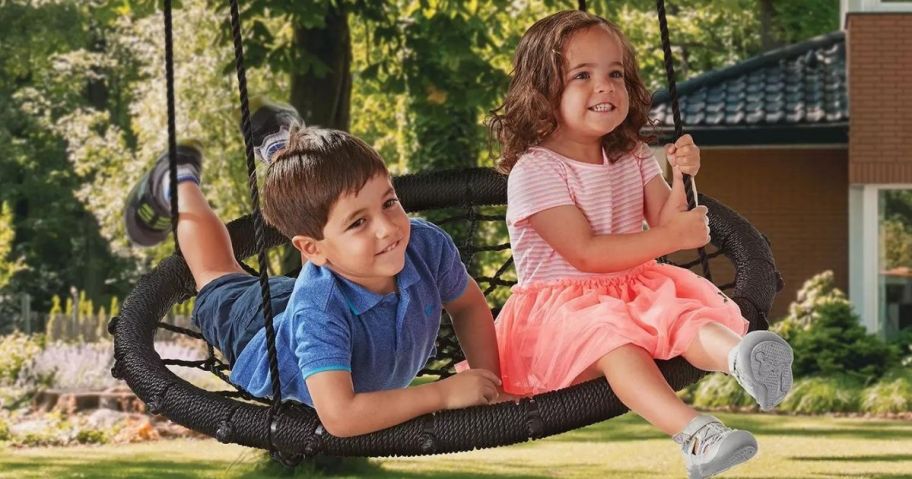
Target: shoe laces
(706, 437)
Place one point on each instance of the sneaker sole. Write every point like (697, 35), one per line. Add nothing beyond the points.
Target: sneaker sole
(740, 448)
(770, 374)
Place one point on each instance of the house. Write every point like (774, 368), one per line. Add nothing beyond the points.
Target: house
(808, 142)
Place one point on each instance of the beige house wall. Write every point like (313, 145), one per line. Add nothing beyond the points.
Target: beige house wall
(798, 198)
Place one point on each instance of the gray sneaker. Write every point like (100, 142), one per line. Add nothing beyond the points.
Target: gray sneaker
(762, 365)
(271, 123)
(710, 448)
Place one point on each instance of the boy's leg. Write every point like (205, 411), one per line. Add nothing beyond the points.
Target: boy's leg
(761, 361)
(203, 238)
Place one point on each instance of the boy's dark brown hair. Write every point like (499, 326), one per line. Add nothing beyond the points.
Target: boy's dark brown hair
(528, 114)
(316, 167)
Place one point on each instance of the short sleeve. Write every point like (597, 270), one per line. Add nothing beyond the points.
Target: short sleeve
(452, 276)
(649, 166)
(323, 342)
(449, 273)
(536, 183)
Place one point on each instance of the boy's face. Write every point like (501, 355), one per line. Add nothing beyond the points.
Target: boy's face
(365, 237)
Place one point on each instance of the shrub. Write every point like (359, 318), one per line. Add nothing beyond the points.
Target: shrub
(720, 391)
(828, 337)
(91, 436)
(4, 430)
(837, 343)
(903, 344)
(892, 394)
(820, 395)
(16, 350)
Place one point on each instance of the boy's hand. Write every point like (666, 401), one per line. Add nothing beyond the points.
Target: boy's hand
(471, 387)
(684, 154)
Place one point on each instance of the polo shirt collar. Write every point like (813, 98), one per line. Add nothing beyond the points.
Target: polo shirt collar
(357, 298)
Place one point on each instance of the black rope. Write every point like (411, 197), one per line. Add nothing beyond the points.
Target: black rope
(690, 186)
(581, 4)
(172, 123)
(255, 204)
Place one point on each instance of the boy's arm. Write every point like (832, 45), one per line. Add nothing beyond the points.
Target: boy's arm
(474, 327)
(345, 413)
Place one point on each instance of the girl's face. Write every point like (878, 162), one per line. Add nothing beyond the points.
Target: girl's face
(595, 100)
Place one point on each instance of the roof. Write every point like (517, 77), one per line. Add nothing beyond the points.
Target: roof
(793, 95)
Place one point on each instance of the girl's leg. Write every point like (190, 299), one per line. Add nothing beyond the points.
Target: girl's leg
(203, 238)
(710, 347)
(638, 383)
(707, 445)
(761, 361)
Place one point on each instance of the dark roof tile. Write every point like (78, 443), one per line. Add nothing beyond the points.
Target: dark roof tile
(801, 84)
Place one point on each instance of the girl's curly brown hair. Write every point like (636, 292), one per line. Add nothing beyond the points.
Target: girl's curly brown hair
(528, 114)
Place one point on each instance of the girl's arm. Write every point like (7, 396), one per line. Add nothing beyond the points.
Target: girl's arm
(566, 229)
(683, 154)
(656, 193)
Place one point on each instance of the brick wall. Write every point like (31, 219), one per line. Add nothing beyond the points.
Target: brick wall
(798, 198)
(879, 58)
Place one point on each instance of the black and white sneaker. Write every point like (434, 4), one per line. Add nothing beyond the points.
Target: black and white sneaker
(271, 123)
(148, 210)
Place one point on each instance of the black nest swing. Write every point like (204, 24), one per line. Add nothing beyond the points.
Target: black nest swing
(293, 430)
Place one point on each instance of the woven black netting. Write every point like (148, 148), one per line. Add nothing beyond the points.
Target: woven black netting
(467, 203)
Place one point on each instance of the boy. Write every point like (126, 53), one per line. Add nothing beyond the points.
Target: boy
(361, 319)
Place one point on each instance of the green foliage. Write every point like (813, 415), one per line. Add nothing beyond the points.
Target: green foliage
(827, 336)
(836, 342)
(8, 266)
(819, 395)
(903, 343)
(892, 394)
(4, 430)
(92, 436)
(57, 238)
(16, 350)
(720, 391)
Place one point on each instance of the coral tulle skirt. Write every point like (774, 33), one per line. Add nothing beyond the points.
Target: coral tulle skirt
(549, 333)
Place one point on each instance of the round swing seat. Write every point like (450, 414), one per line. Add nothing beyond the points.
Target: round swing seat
(295, 430)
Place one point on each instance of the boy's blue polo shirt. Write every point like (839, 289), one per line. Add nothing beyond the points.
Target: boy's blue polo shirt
(333, 324)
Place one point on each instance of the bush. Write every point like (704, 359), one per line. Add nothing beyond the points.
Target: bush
(827, 335)
(4, 430)
(16, 350)
(892, 394)
(822, 395)
(91, 436)
(903, 344)
(720, 391)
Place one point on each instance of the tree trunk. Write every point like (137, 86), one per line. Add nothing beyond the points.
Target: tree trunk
(325, 99)
(767, 35)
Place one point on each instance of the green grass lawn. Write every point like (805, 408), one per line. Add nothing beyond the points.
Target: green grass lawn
(626, 447)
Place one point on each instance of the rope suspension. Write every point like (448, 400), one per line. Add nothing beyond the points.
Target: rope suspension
(172, 123)
(255, 204)
(690, 185)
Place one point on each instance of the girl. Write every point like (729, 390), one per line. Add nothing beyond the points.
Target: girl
(590, 299)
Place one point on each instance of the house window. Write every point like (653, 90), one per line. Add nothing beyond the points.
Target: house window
(894, 253)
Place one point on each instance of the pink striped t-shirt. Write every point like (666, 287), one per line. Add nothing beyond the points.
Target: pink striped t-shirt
(609, 195)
